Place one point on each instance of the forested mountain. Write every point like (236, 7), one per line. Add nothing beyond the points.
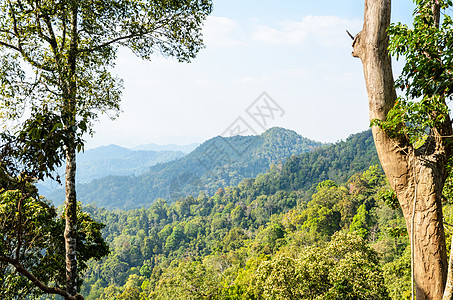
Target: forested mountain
(112, 160)
(115, 160)
(335, 162)
(342, 241)
(218, 162)
(290, 233)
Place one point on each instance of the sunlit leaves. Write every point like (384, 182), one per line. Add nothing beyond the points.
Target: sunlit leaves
(35, 233)
(39, 66)
(344, 268)
(37, 149)
(427, 76)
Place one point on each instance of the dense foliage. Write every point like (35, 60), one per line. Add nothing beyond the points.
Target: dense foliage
(342, 242)
(426, 78)
(31, 237)
(277, 230)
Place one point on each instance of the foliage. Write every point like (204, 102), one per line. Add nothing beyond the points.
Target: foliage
(361, 222)
(222, 247)
(398, 276)
(344, 268)
(426, 77)
(195, 279)
(32, 234)
(56, 60)
(63, 53)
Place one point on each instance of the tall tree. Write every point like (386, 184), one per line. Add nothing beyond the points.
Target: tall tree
(56, 57)
(413, 133)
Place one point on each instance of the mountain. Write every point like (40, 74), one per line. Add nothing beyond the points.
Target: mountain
(243, 233)
(335, 162)
(217, 163)
(111, 160)
(115, 160)
(170, 147)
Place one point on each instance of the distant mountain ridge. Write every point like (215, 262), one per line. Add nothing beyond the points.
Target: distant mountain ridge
(111, 160)
(216, 163)
(116, 160)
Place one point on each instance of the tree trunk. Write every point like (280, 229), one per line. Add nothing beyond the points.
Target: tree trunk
(70, 232)
(69, 114)
(416, 175)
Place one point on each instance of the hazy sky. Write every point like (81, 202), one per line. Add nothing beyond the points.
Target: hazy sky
(295, 50)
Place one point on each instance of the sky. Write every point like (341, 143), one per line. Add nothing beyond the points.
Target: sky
(297, 52)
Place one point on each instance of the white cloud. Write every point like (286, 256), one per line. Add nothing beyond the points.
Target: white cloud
(221, 32)
(327, 30)
(324, 30)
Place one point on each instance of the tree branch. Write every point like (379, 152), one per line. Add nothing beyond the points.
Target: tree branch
(110, 42)
(163, 23)
(9, 46)
(46, 289)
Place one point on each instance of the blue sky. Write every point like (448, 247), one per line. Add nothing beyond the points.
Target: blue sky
(296, 51)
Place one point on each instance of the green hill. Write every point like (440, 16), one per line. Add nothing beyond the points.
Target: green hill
(342, 241)
(217, 163)
(335, 162)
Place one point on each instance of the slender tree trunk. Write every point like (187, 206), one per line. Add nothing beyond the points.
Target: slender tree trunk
(70, 233)
(70, 189)
(416, 175)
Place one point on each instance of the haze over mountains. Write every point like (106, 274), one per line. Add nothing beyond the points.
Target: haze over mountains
(216, 163)
(221, 162)
(115, 160)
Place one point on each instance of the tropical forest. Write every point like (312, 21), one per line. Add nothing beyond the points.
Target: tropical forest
(298, 198)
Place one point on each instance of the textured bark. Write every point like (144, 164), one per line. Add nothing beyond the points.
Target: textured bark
(70, 232)
(416, 175)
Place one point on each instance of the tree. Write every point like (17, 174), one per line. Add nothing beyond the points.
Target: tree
(344, 268)
(323, 213)
(31, 245)
(361, 222)
(413, 133)
(189, 279)
(56, 57)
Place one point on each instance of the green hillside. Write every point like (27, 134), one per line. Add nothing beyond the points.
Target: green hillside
(217, 163)
(319, 225)
(110, 160)
(335, 162)
(343, 242)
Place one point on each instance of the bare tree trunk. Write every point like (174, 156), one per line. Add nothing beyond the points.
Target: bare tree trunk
(416, 175)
